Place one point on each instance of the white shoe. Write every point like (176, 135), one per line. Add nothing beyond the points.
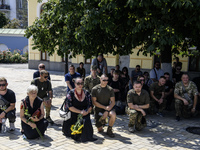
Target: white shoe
(131, 129)
(12, 126)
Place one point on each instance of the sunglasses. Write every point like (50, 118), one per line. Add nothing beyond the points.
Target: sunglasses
(142, 80)
(2, 84)
(105, 80)
(42, 67)
(46, 76)
(79, 83)
(178, 68)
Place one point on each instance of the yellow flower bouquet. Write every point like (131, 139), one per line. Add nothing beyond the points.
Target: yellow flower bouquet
(77, 128)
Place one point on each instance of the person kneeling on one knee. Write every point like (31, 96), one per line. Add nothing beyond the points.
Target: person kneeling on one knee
(138, 99)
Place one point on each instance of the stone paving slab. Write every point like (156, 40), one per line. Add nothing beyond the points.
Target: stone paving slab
(168, 135)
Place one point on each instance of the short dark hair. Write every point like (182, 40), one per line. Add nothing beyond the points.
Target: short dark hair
(146, 73)
(81, 63)
(167, 73)
(116, 72)
(71, 66)
(137, 66)
(156, 62)
(185, 74)
(162, 77)
(177, 58)
(137, 82)
(117, 66)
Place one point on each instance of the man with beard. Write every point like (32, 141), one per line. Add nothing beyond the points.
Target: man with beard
(186, 95)
(138, 100)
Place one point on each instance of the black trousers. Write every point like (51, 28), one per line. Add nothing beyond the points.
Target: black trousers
(11, 115)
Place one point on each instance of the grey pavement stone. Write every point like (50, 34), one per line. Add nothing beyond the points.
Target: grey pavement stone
(168, 135)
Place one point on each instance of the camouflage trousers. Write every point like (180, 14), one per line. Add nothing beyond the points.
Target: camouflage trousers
(136, 118)
(182, 110)
(155, 106)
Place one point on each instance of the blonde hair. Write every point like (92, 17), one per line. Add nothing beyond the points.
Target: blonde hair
(3, 79)
(32, 88)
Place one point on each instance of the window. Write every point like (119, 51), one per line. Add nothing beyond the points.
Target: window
(20, 4)
(45, 56)
(41, 8)
(194, 63)
(88, 61)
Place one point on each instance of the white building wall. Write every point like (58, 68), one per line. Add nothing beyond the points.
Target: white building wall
(12, 9)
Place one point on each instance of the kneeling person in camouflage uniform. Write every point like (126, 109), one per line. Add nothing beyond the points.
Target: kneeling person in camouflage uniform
(138, 100)
(44, 92)
(186, 95)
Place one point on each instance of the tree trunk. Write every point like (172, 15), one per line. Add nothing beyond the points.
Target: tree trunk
(166, 59)
(66, 62)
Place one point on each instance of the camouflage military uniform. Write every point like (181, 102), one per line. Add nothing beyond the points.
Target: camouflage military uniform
(158, 94)
(191, 90)
(90, 82)
(135, 117)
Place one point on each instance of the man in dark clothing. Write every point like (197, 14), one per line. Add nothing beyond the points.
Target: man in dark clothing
(36, 74)
(69, 78)
(7, 110)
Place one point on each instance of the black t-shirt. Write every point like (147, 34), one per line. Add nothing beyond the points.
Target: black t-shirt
(168, 86)
(116, 85)
(9, 96)
(177, 76)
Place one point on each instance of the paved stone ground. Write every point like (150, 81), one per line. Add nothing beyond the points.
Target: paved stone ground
(169, 134)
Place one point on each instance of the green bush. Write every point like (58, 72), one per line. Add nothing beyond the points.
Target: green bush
(7, 56)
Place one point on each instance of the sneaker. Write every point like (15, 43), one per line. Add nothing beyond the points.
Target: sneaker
(49, 120)
(178, 118)
(131, 129)
(160, 114)
(12, 127)
(109, 132)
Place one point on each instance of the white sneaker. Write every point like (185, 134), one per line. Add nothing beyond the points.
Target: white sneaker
(12, 126)
(131, 129)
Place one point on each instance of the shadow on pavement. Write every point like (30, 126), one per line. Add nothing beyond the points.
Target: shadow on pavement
(60, 92)
(45, 143)
(171, 133)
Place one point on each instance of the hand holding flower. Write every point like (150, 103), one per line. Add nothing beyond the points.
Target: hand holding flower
(35, 119)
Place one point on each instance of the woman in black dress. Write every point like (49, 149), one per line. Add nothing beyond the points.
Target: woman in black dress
(33, 104)
(79, 102)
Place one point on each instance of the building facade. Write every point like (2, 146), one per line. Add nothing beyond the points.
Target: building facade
(13, 39)
(15, 9)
